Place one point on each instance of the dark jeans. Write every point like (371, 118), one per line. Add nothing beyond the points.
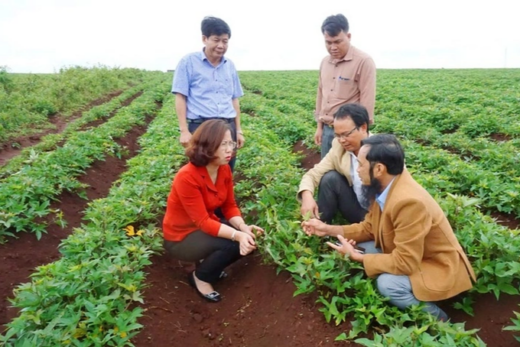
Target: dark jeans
(336, 194)
(217, 252)
(193, 125)
(326, 140)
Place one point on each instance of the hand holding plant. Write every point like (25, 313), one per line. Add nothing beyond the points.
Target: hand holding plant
(309, 206)
(315, 226)
(251, 230)
(247, 243)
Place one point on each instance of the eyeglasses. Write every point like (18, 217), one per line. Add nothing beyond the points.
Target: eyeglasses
(231, 144)
(344, 135)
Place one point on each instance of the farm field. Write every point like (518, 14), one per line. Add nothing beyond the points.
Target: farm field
(81, 209)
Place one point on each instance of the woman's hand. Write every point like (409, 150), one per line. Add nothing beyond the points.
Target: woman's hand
(247, 243)
(251, 230)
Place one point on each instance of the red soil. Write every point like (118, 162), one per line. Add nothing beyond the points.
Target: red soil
(20, 256)
(258, 308)
(7, 151)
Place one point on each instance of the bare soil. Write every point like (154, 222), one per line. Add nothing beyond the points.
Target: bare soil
(7, 151)
(500, 137)
(258, 308)
(20, 256)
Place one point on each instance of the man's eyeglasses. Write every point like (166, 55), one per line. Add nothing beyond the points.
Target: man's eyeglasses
(231, 144)
(346, 134)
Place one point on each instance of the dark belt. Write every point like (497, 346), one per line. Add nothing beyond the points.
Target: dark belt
(202, 120)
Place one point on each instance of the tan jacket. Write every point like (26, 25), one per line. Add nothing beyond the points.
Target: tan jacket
(417, 241)
(337, 159)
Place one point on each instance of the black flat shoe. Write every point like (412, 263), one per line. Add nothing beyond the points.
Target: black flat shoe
(214, 296)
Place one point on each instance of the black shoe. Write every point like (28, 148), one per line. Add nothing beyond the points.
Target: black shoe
(214, 296)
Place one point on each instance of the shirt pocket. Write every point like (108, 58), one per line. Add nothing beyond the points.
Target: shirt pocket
(346, 89)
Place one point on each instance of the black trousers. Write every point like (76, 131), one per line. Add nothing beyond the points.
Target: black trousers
(335, 194)
(218, 253)
(193, 125)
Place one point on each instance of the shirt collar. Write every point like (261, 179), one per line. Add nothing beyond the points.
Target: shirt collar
(381, 198)
(349, 56)
(203, 57)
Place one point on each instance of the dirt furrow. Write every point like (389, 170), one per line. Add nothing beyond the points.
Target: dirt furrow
(20, 256)
(257, 309)
(7, 151)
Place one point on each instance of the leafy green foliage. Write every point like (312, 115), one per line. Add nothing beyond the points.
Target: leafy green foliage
(27, 100)
(89, 296)
(416, 115)
(26, 194)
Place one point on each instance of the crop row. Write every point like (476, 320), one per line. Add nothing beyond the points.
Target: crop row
(27, 100)
(89, 296)
(474, 102)
(502, 159)
(493, 177)
(27, 194)
(51, 141)
(344, 290)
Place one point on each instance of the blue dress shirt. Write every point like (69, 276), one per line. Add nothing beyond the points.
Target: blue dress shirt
(381, 198)
(209, 90)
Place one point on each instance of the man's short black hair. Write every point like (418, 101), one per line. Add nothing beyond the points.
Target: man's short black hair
(356, 112)
(333, 25)
(214, 26)
(385, 149)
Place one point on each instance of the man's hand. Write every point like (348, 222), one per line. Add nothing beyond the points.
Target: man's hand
(318, 135)
(347, 248)
(240, 140)
(309, 206)
(316, 227)
(185, 138)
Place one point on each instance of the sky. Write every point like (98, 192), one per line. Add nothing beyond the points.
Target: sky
(42, 36)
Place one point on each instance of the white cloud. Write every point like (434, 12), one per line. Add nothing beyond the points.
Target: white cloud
(42, 36)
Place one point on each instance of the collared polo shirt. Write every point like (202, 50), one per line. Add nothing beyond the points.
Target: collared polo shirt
(348, 80)
(209, 90)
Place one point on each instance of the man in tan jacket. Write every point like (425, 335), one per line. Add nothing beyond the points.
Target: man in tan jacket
(335, 176)
(409, 244)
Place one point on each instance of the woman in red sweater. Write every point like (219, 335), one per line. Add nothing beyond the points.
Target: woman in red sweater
(192, 231)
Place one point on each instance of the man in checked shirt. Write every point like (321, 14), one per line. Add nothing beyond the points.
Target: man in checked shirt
(347, 75)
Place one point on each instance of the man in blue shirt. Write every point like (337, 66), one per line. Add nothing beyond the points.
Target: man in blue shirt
(206, 85)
